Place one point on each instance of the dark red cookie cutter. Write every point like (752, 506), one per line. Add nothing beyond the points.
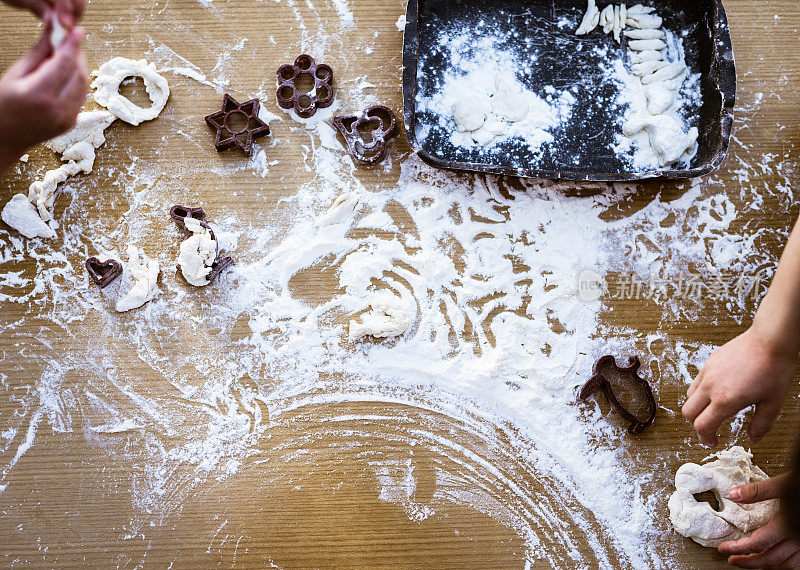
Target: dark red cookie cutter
(179, 214)
(228, 135)
(602, 382)
(378, 122)
(305, 69)
(103, 272)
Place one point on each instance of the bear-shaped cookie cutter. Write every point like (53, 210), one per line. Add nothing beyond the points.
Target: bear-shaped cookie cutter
(228, 135)
(179, 213)
(317, 77)
(604, 371)
(379, 123)
(103, 272)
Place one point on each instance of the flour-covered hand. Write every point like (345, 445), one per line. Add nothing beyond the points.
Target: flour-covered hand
(747, 371)
(41, 95)
(771, 546)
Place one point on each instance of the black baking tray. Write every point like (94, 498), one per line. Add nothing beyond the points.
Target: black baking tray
(582, 150)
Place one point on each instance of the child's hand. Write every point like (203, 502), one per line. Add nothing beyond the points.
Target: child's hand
(41, 94)
(768, 547)
(746, 371)
(69, 11)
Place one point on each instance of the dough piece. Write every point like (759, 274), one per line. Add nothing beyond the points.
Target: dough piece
(640, 9)
(666, 136)
(699, 521)
(647, 55)
(659, 98)
(644, 21)
(112, 73)
(647, 45)
(77, 147)
(342, 208)
(142, 275)
(508, 103)
(57, 32)
(470, 113)
(21, 215)
(197, 253)
(590, 20)
(645, 34)
(667, 73)
(648, 67)
(607, 19)
(389, 316)
(617, 25)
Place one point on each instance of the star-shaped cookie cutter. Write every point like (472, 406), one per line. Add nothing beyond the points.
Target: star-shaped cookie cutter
(384, 129)
(604, 371)
(229, 135)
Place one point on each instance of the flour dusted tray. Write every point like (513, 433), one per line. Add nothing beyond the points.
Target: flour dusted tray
(542, 35)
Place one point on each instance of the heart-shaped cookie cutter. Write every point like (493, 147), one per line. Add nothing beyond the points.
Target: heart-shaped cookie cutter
(103, 272)
(179, 214)
(601, 382)
(353, 128)
(305, 69)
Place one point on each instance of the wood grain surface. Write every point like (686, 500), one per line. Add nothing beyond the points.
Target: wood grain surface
(70, 502)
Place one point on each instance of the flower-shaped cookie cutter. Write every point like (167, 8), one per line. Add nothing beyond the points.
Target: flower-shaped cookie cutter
(103, 272)
(368, 134)
(305, 86)
(605, 370)
(229, 133)
(179, 213)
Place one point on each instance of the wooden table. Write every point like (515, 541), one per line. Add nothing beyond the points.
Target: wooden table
(71, 498)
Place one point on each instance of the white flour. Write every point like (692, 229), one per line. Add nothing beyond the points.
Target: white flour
(490, 364)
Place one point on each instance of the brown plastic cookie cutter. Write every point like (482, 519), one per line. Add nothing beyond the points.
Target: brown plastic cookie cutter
(606, 369)
(293, 79)
(179, 214)
(103, 272)
(368, 134)
(229, 133)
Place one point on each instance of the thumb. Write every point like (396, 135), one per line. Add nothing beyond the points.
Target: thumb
(764, 417)
(759, 491)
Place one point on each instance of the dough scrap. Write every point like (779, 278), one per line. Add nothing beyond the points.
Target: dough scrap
(698, 520)
(77, 148)
(659, 98)
(645, 34)
(590, 20)
(389, 316)
(107, 82)
(197, 253)
(666, 136)
(470, 113)
(21, 215)
(141, 274)
(57, 32)
(342, 208)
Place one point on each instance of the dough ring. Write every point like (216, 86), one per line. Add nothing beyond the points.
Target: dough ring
(111, 75)
(711, 526)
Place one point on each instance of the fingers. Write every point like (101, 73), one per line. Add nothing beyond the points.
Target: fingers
(772, 558)
(695, 385)
(764, 417)
(760, 490)
(760, 541)
(707, 423)
(792, 562)
(56, 72)
(70, 11)
(74, 93)
(695, 405)
(33, 59)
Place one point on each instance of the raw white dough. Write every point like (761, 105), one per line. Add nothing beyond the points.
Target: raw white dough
(470, 113)
(647, 55)
(643, 21)
(667, 73)
(607, 18)
(21, 215)
(57, 32)
(647, 45)
(508, 103)
(141, 274)
(648, 67)
(699, 521)
(659, 98)
(112, 73)
(666, 136)
(77, 148)
(640, 9)
(341, 210)
(645, 34)
(590, 20)
(197, 253)
(389, 316)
